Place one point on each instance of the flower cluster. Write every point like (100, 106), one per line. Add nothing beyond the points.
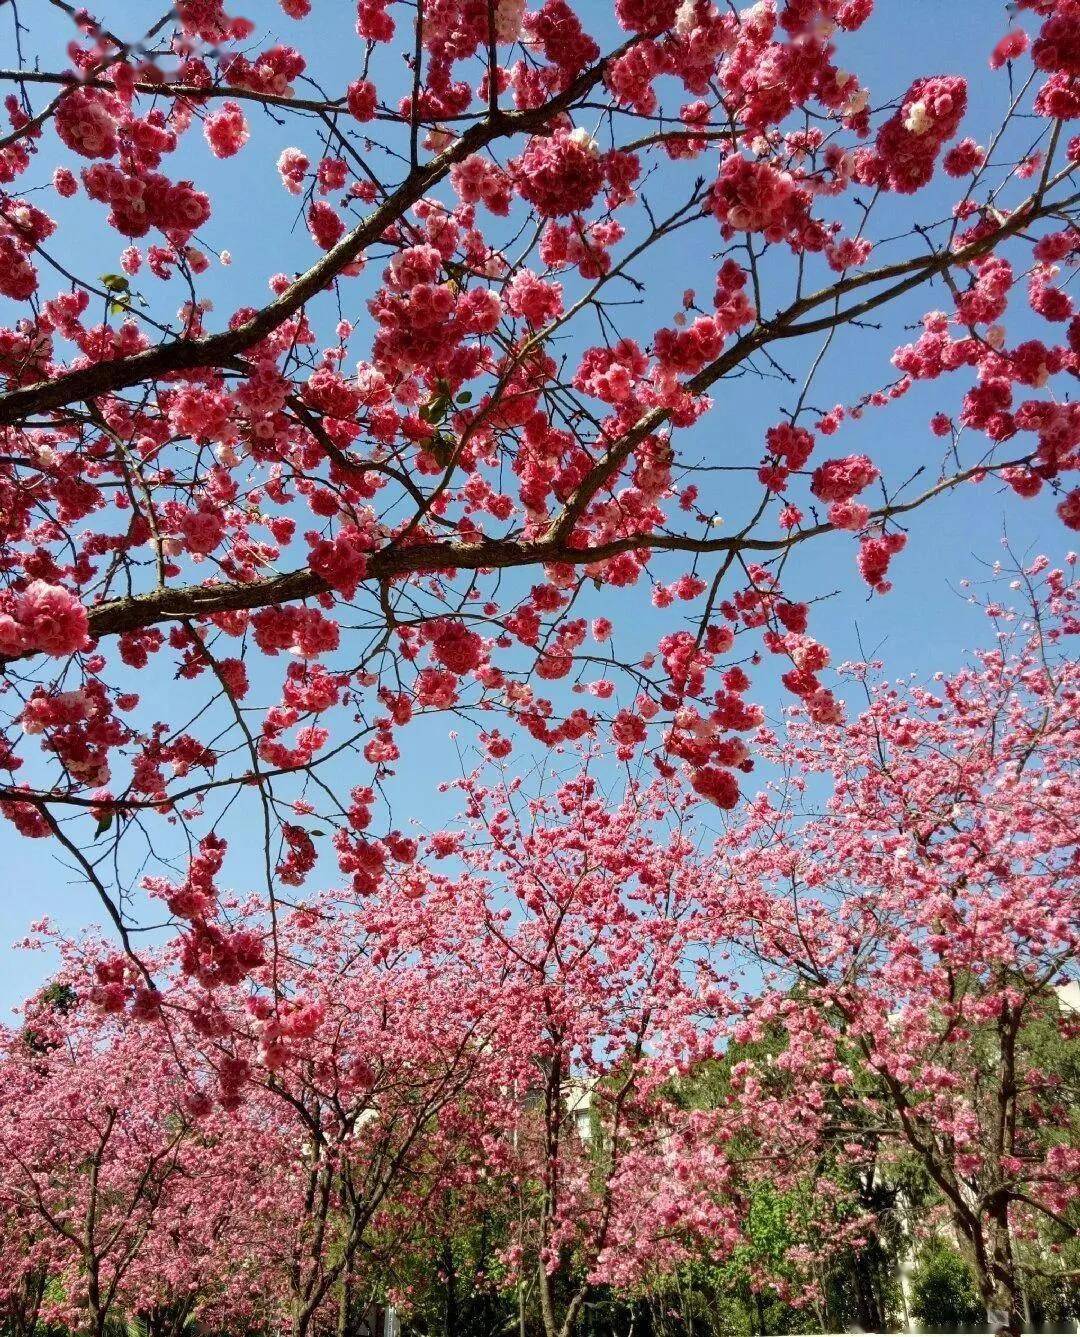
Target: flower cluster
(840, 480)
(560, 173)
(226, 130)
(755, 196)
(44, 618)
(908, 144)
(139, 202)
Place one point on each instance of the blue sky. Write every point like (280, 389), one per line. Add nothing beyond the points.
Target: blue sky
(924, 625)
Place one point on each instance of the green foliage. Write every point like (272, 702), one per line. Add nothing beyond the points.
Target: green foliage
(945, 1296)
(55, 998)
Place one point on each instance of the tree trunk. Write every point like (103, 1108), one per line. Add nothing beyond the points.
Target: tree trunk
(999, 1282)
(95, 1320)
(871, 1319)
(344, 1318)
(547, 1308)
(987, 1241)
(450, 1319)
(573, 1309)
(96, 1312)
(301, 1318)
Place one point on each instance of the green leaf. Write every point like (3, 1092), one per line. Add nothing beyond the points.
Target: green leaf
(434, 411)
(465, 397)
(442, 447)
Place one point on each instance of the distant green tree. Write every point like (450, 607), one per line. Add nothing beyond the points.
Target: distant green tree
(945, 1294)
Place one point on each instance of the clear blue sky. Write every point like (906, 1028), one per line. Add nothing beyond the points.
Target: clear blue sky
(923, 625)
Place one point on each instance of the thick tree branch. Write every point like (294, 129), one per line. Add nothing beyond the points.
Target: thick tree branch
(430, 557)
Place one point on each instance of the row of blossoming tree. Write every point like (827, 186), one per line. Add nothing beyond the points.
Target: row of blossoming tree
(522, 1030)
(422, 436)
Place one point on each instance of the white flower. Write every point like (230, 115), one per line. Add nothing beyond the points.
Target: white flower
(584, 140)
(917, 120)
(686, 18)
(759, 11)
(857, 102)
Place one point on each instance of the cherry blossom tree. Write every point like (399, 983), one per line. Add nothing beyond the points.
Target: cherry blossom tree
(389, 486)
(92, 1130)
(589, 913)
(197, 1265)
(916, 926)
(329, 1092)
(360, 1075)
